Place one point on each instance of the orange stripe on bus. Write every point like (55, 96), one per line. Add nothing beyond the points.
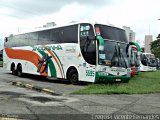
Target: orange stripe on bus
(24, 55)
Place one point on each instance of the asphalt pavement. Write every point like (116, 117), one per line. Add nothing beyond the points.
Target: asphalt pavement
(22, 103)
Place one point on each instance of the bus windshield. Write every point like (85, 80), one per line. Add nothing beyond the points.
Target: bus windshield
(114, 53)
(152, 62)
(148, 60)
(123, 53)
(111, 33)
(109, 52)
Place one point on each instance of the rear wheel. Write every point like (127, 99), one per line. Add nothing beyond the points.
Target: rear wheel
(19, 70)
(73, 77)
(13, 69)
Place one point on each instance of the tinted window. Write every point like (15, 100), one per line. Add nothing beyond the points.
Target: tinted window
(88, 47)
(111, 33)
(90, 52)
(27, 39)
(67, 34)
(32, 38)
(70, 34)
(85, 30)
(109, 55)
(123, 50)
(57, 35)
(109, 49)
(144, 60)
(21, 40)
(44, 37)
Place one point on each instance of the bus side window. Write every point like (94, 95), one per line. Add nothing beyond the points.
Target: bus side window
(57, 35)
(24, 41)
(44, 37)
(70, 34)
(33, 38)
(13, 42)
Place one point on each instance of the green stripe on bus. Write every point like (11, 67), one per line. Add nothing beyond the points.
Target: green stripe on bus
(51, 66)
(59, 62)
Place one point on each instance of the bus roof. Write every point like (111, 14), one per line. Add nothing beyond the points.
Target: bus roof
(63, 25)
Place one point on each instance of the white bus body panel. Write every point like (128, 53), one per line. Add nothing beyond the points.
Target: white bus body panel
(66, 56)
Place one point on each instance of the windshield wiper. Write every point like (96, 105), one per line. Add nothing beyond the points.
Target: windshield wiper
(114, 62)
(121, 56)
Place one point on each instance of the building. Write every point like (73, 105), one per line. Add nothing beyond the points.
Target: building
(130, 34)
(50, 24)
(47, 25)
(148, 40)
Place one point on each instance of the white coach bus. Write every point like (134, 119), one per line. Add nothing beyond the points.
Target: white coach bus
(76, 52)
(148, 62)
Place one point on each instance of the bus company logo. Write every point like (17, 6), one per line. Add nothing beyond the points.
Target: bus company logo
(43, 48)
(71, 49)
(117, 70)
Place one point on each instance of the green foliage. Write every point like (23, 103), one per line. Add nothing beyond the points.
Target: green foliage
(144, 83)
(155, 48)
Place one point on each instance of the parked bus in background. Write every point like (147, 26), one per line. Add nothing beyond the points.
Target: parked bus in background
(135, 58)
(131, 60)
(148, 62)
(76, 52)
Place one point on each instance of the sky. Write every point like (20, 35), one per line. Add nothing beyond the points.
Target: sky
(20, 16)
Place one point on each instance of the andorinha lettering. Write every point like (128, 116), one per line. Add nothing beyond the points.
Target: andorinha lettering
(42, 48)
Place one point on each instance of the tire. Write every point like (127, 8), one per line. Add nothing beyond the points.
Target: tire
(73, 77)
(13, 69)
(19, 70)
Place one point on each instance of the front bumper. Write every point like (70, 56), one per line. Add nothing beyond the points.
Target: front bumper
(109, 79)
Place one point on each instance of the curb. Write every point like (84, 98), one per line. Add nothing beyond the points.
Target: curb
(35, 88)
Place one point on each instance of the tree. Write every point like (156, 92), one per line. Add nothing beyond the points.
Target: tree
(155, 47)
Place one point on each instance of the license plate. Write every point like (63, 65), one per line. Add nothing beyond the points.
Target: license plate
(118, 80)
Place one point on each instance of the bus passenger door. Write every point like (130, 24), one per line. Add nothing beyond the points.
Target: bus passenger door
(89, 58)
(88, 50)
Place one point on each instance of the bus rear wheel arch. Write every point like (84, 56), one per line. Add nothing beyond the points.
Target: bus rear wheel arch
(19, 70)
(72, 75)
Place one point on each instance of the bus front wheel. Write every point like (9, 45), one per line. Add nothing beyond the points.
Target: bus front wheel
(73, 77)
